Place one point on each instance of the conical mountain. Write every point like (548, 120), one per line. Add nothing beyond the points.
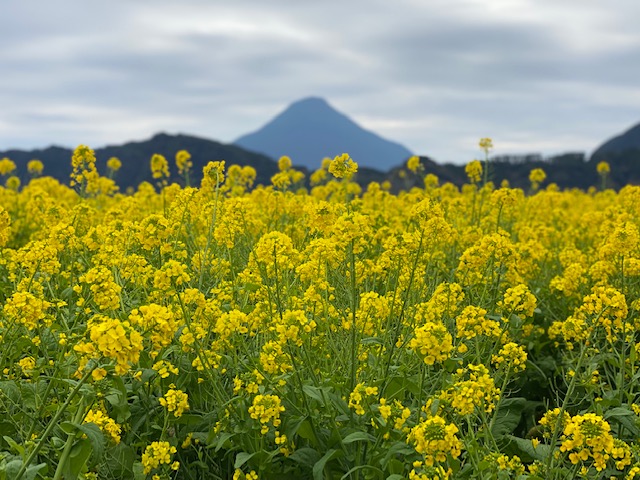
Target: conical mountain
(311, 129)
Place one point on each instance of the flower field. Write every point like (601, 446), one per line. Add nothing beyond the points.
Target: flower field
(276, 332)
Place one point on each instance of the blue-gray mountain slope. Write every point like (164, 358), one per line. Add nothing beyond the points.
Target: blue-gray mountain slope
(310, 129)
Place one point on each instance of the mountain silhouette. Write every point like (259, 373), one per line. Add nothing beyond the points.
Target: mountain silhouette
(627, 141)
(622, 152)
(136, 156)
(311, 129)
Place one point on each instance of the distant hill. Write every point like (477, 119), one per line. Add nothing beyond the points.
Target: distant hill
(622, 152)
(135, 158)
(311, 129)
(629, 140)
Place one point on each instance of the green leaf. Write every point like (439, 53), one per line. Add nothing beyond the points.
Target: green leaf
(618, 412)
(306, 456)
(305, 431)
(318, 468)
(80, 453)
(395, 476)
(93, 433)
(396, 467)
(242, 458)
(398, 448)
(625, 417)
(217, 440)
(541, 452)
(398, 385)
(358, 437)
(189, 419)
(119, 460)
(508, 416)
(14, 445)
(138, 471)
(13, 467)
(117, 397)
(314, 392)
(11, 390)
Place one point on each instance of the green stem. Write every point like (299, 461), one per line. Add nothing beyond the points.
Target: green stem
(70, 440)
(556, 428)
(354, 306)
(53, 423)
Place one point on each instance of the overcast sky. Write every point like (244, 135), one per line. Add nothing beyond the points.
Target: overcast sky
(545, 76)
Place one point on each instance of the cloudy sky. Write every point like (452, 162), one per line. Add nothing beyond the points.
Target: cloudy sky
(545, 76)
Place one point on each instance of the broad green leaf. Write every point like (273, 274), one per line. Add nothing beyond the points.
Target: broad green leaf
(13, 467)
(358, 437)
(80, 453)
(93, 433)
(318, 468)
(540, 452)
(119, 460)
(242, 458)
(305, 456)
(313, 392)
(508, 416)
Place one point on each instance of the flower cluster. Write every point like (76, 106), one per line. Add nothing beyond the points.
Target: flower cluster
(105, 423)
(266, 409)
(432, 342)
(511, 356)
(175, 401)
(343, 166)
(157, 454)
(359, 395)
(435, 439)
(478, 392)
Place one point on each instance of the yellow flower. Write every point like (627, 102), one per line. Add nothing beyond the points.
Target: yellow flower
(105, 423)
(537, 176)
(284, 163)
(175, 401)
(603, 168)
(266, 409)
(27, 364)
(360, 394)
(113, 339)
(435, 439)
(183, 161)
(512, 356)
(84, 171)
(157, 454)
(474, 171)
(486, 144)
(478, 392)
(413, 163)
(35, 167)
(164, 368)
(159, 166)
(432, 342)
(6, 166)
(343, 166)
(114, 164)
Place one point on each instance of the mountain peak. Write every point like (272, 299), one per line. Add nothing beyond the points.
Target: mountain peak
(310, 129)
(310, 102)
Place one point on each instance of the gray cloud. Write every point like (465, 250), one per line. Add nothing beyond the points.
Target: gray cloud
(434, 75)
